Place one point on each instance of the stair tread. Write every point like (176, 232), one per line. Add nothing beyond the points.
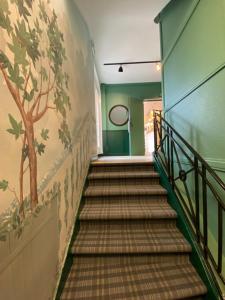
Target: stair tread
(124, 190)
(123, 174)
(108, 239)
(101, 280)
(127, 209)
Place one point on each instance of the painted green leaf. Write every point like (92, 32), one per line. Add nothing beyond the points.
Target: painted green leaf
(37, 26)
(43, 15)
(4, 60)
(44, 74)
(15, 76)
(34, 82)
(18, 51)
(29, 39)
(64, 135)
(29, 96)
(4, 185)
(5, 22)
(40, 147)
(23, 11)
(17, 127)
(44, 134)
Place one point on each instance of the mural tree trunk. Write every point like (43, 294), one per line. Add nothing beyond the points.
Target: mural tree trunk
(32, 67)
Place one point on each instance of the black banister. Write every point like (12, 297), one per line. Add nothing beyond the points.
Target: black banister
(209, 169)
(206, 186)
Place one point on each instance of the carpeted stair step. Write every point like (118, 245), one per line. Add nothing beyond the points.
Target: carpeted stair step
(129, 238)
(121, 190)
(123, 178)
(102, 280)
(121, 166)
(126, 209)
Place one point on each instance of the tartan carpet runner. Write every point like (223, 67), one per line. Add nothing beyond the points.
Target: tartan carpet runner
(128, 245)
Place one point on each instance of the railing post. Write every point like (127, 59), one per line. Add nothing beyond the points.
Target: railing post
(205, 211)
(155, 133)
(160, 124)
(197, 217)
(171, 158)
(220, 238)
(168, 152)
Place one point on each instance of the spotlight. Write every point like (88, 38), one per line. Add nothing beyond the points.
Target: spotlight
(158, 67)
(120, 69)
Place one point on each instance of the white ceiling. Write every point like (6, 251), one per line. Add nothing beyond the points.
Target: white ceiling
(122, 31)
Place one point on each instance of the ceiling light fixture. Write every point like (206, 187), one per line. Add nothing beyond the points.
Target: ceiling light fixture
(120, 69)
(158, 66)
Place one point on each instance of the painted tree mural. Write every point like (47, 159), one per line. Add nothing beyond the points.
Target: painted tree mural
(32, 66)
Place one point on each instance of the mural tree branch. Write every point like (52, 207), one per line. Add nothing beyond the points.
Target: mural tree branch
(32, 67)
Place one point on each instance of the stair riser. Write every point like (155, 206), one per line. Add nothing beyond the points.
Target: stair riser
(126, 197)
(147, 168)
(131, 259)
(123, 181)
(132, 223)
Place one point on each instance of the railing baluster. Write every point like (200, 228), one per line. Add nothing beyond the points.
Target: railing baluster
(167, 139)
(197, 212)
(220, 238)
(205, 213)
(168, 153)
(155, 132)
(160, 124)
(171, 159)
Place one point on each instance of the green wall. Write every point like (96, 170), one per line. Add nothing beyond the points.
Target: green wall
(193, 55)
(128, 95)
(193, 50)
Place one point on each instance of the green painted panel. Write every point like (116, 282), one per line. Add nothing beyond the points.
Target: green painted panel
(137, 127)
(200, 119)
(115, 142)
(199, 116)
(171, 27)
(199, 52)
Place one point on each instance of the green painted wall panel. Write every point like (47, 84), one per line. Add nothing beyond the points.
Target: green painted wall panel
(194, 89)
(171, 27)
(198, 53)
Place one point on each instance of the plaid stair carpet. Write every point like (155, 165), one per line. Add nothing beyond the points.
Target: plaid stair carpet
(128, 245)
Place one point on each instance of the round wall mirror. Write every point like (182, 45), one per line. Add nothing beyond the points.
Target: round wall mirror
(119, 115)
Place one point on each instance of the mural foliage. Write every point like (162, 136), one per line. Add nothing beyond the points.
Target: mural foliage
(31, 65)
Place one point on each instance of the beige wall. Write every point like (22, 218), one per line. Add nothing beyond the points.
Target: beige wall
(33, 248)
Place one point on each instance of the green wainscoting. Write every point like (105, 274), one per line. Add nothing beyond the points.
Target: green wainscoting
(116, 142)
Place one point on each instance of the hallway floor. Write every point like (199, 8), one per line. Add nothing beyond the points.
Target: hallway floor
(128, 245)
(128, 159)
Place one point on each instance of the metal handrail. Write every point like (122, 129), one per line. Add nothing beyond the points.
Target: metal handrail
(167, 140)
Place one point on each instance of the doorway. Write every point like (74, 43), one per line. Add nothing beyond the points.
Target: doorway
(149, 106)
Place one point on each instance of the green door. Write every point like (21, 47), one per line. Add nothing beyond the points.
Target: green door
(136, 128)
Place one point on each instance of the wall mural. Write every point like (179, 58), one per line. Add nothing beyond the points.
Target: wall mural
(33, 95)
(48, 125)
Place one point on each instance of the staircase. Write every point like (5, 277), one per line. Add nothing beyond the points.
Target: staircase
(128, 245)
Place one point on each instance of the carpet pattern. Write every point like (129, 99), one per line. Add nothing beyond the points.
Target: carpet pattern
(128, 245)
